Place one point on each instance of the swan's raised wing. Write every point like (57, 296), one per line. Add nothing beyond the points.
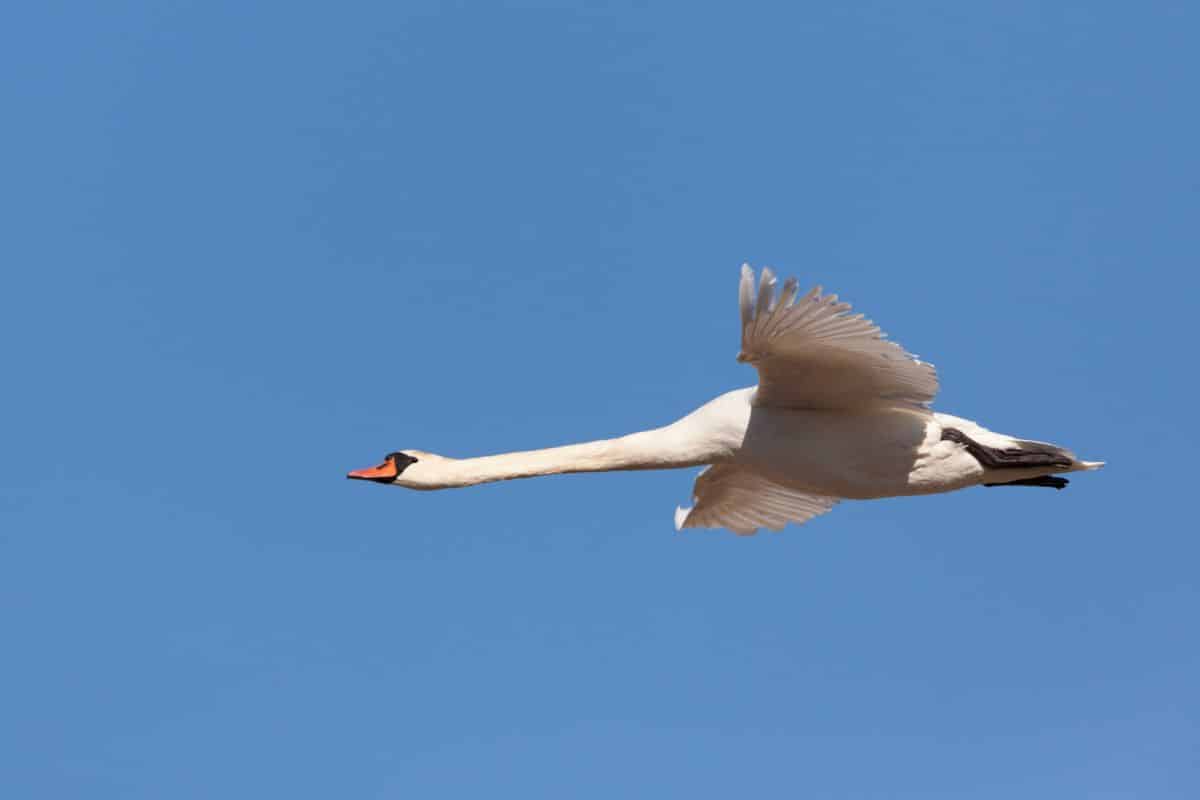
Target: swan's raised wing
(811, 353)
(737, 498)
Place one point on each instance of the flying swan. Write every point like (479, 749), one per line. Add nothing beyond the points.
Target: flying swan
(840, 412)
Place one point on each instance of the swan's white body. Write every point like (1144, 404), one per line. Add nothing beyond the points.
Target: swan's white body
(839, 412)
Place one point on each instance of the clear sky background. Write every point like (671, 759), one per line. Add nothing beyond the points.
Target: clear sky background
(248, 247)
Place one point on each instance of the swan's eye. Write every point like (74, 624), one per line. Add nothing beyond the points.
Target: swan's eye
(402, 459)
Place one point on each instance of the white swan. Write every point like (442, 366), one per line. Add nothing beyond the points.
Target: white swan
(839, 412)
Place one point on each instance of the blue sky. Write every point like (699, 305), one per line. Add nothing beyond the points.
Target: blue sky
(251, 246)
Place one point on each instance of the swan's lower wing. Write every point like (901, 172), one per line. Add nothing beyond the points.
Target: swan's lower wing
(811, 353)
(737, 498)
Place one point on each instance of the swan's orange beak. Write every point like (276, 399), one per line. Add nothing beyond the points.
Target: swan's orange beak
(385, 472)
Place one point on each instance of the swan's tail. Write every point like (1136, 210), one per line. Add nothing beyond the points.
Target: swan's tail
(1058, 456)
(1052, 481)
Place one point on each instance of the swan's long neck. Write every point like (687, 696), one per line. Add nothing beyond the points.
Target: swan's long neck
(662, 448)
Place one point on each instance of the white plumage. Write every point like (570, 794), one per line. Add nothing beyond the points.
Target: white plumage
(840, 412)
(812, 353)
(728, 496)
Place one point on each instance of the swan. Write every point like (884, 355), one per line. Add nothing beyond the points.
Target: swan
(840, 412)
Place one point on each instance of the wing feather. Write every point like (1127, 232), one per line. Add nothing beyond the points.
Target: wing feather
(735, 497)
(811, 353)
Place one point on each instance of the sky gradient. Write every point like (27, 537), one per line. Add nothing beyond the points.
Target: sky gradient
(251, 246)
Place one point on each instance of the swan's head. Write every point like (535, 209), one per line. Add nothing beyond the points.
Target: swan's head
(412, 469)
